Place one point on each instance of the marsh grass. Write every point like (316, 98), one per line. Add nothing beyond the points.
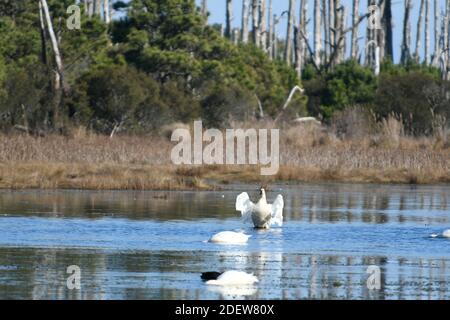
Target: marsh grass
(308, 153)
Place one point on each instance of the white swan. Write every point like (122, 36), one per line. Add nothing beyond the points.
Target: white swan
(233, 278)
(262, 214)
(229, 237)
(233, 293)
(445, 234)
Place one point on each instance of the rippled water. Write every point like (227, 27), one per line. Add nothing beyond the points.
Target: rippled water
(152, 245)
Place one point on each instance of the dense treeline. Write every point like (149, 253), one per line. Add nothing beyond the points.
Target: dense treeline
(160, 62)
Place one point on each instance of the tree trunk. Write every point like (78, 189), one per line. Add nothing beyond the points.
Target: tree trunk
(419, 31)
(263, 23)
(343, 45)
(229, 17)
(235, 36)
(326, 30)
(331, 25)
(446, 47)
(43, 35)
(317, 32)
(436, 34)
(381, 35)
(290, 27)
(354, 49)
(275, 38)
(204, 8)
(90, 8)
(369, 47)
(406, 42)
(244, 28)
(387, 26)
(59, 76)
(255, 16)
(427, 32)
(106, 11)
(444, 43)
(339, 37)
(97, 7)
(300, 42)
(304, 19)
(270, 31)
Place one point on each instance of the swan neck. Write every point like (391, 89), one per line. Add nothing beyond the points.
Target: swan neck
(263, 195)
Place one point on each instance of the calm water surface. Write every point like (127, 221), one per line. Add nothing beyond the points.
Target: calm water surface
(152, 245)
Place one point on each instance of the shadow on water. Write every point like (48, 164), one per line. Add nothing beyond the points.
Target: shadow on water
(151, 245)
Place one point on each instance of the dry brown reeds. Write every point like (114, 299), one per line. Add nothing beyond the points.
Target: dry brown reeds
(308, 153)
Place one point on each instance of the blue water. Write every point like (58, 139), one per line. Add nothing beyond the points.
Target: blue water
(153, 245)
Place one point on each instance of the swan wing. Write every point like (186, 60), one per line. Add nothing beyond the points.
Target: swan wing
(277, 211)
(244, 205)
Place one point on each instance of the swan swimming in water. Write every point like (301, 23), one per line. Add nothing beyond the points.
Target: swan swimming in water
(445, 234)
(263, 214)
(229, 237)
(229, 278)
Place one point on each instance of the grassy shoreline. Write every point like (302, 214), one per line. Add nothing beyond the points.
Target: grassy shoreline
(158, 177)
(95, 162)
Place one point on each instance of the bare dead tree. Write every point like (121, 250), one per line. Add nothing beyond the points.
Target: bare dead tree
(204, 8)
(427, 32)
(274, 42)
(305, 31)
(300, 42)
(235, 36)
(406, 42)
(270, 31)
(419, 30)
(326, 30)
(229, 18)
(331, 23)
(435, 59)
(275, 37)
(256, 33)
(387, 27)
(446, 43)
(355, 16)
(341, 38)
(90, 8)
(263, 23)
(340, 23)
(380, 36)
(97, 7)
(317, 33)
(43, 35)
(106, 11)
(288, 100)
(370, 38)
(244, 28)
(290, 28)
(59, 72)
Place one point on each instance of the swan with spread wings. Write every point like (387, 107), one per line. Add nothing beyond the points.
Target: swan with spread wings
(262, 214)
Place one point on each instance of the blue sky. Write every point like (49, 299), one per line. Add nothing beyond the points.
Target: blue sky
(217, 15)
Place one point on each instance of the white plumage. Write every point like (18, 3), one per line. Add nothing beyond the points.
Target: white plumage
(229, 237)
(262, 214)
(233, 278)
(445, 234)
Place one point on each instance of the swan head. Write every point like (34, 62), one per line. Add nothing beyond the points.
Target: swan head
(262, 193)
